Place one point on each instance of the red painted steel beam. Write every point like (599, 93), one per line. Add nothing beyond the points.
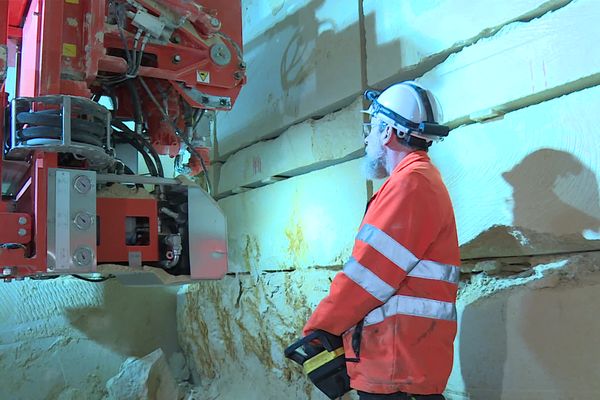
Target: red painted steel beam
(16, 12)
(14, 32)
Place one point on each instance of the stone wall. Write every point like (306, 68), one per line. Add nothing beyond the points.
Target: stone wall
(64, 338)
(518, 83)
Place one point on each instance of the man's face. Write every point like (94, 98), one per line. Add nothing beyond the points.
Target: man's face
(374, 161)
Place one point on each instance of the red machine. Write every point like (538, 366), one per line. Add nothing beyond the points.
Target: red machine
(99, 85)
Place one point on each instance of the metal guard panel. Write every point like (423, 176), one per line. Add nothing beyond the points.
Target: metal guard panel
(207, 236)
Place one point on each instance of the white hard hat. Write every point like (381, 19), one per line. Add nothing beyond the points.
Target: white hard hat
(408, 107)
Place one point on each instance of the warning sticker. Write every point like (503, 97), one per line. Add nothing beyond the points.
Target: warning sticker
(69, 50)
(203, 76)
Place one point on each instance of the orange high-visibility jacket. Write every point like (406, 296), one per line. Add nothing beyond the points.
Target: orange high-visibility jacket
(402, 280)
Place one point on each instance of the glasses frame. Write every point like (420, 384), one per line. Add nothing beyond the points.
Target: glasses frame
(368, 126)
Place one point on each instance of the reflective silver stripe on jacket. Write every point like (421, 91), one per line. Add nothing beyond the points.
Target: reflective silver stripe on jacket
(403, 258)
(366, 279)
(386, 245)
(414, 306)
(433, 270)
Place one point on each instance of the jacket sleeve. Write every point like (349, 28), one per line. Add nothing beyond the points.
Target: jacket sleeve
(396, 231)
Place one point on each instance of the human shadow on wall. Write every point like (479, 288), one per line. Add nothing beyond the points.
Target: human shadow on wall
(556, 208)
(554, 193)
(554, 196)
(132, 321)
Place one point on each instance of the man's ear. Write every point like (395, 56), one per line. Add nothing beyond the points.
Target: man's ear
(388, 134)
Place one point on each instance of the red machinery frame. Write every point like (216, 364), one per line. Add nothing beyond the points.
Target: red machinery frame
(67, 61)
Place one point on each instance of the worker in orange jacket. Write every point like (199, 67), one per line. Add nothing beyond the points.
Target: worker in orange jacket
(394, 301)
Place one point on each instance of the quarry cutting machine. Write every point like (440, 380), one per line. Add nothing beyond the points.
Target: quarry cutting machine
(100, 85)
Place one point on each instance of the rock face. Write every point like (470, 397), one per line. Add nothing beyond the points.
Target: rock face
(520, 165)
(64, 338)
(147, 378)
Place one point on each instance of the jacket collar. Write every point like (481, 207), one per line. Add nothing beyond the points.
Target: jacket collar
(412, 157)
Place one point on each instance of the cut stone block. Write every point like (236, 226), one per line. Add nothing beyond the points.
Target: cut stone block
(145, 378)
(304, 147)
(524, 63)
(306, 64)
(529, 337)
(410, 31)
(259, 15)
(309, 220)
(527, 183)
(234, 331)
(73, 335)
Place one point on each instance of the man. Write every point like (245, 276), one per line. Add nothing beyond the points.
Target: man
(394, 301)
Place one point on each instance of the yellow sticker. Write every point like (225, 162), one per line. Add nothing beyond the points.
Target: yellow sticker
(203, 76)
(72, 1)
(69, 50)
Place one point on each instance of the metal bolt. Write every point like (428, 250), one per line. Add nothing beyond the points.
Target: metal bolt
(82, 184)
(83, 256)
(215, 22)
(220, 54)
(22, 232)
(83, 221)
(22, 220)
(237, 75)
(242, 65)
(7, 271)
(176, 59)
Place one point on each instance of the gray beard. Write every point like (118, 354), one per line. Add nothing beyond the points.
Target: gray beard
(374, 168)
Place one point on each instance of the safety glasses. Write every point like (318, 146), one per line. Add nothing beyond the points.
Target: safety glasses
(367, 126)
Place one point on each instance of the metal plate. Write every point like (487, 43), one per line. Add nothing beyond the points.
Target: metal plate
(207, 236)
(71, 245)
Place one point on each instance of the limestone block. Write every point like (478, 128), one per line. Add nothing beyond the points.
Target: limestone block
(522, 64)
(408, 32)
(145, 378)
(529, 341)
(309, 145)
(527, 183)
(306, 64)
(65, 365)
(308, 220)
(234, 332)
(179, 367)
(258, 15)
(72, 335)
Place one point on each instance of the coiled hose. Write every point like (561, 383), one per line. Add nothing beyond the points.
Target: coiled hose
(47, 124)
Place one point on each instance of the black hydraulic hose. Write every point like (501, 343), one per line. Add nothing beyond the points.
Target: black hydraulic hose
(137, 104)
(133, 142)
(144, 143)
